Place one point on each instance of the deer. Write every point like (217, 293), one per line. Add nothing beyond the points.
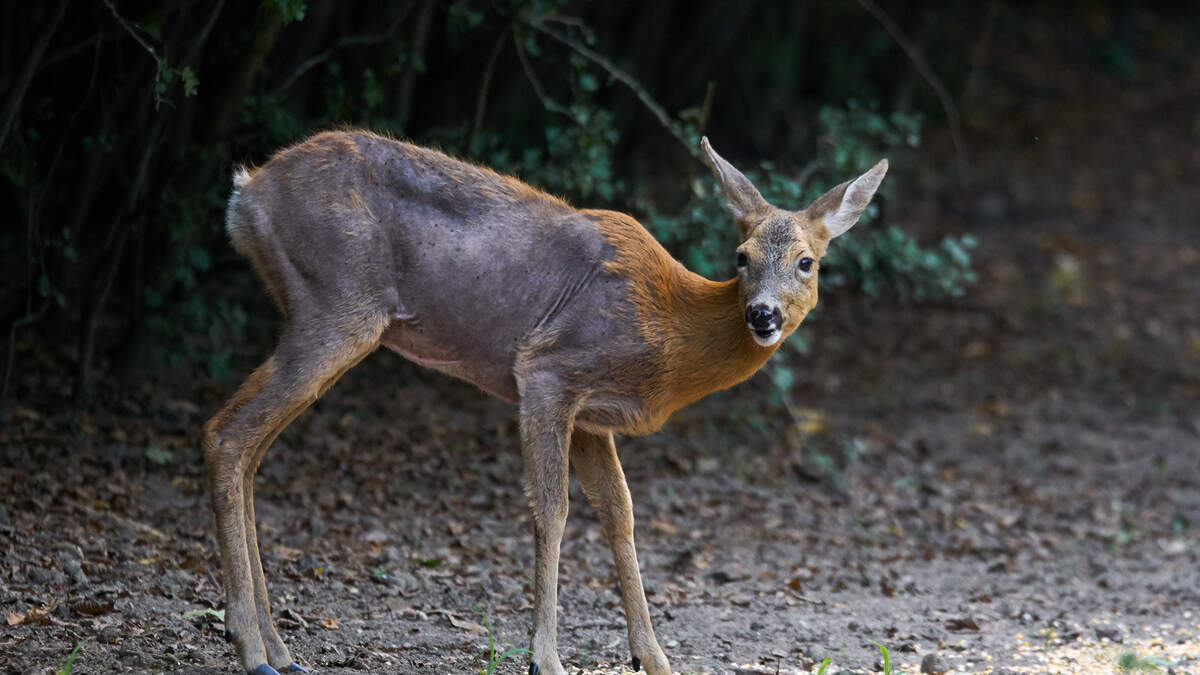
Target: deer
(579, 317)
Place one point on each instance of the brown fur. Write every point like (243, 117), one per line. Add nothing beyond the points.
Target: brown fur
(694, 327)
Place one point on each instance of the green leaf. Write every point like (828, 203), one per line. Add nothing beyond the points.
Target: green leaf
(190, 82)
(159, 456)
(531, 45)
(207, 612)
(199, 259)
(292, 10)
(373, 92)
(887, 658)
(69, 664)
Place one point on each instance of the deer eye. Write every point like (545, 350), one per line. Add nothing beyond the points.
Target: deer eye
(742, 260)
(805, 265)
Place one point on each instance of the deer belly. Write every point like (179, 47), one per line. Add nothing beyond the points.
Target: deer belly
(451, 359)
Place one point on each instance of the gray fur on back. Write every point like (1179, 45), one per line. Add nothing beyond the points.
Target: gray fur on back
(470, 266)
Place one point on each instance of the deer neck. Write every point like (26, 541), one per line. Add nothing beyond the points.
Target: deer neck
(704, 344)
(694, 329)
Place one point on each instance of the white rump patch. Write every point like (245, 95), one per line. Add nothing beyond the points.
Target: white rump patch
(240, 177)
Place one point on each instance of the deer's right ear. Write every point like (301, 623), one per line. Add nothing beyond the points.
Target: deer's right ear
(841, 206)
(741, 197)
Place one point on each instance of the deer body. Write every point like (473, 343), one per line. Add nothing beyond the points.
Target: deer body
(580, 317)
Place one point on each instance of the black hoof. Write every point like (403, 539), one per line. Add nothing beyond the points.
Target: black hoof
(636, 663)
(228, 635)
(533, 669)
(264, 669)
(297, 668)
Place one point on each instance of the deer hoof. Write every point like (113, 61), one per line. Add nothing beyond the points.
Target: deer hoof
(297, 668)
(264, 669)
(636, 664)
(228, 635)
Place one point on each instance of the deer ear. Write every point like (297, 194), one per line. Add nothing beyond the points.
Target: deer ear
(841, 206)
(741, 197)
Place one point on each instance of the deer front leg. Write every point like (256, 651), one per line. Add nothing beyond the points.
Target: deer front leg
(545, 427)
(599, 472)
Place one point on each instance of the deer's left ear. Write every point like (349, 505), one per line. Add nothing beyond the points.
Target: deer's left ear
(741, 197)
(841, 206)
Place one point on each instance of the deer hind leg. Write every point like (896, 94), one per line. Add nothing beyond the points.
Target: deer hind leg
(278, 655)
(598, 469)
(304, 365)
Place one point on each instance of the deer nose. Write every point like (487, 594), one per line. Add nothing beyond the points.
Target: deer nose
(763, 319)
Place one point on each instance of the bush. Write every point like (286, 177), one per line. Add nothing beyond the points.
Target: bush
(119, 152)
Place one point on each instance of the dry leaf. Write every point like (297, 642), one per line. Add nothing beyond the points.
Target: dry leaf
(811, 420)
(330, 623)
(662, 527)
(287, 552)
(464, 625)
(16, 618)
(93, 607)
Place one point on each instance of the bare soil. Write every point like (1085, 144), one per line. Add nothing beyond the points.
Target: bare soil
(1010, 483)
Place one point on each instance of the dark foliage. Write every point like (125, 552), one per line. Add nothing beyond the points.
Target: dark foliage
(122, 122)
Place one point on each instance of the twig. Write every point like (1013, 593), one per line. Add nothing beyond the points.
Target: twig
(70, 51)
(352, 41)
(122, 520)
(198, 44)
(484, 86)
(931, 78)
(420, 40)
(979, 52)
(808, 171)
(706, 107)
(33, 317)
(17, 92)
(547, 102)
(28, 319)
(132, 30)
(622, 77)
(160, 62)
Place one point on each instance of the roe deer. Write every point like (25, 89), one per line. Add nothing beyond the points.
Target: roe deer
(579, 317)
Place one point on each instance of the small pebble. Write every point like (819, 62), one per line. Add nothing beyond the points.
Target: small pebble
(933, 665)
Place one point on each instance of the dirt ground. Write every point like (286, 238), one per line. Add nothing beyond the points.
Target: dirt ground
(1007, 484)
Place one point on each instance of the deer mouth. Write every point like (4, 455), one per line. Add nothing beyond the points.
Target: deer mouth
(765, 337)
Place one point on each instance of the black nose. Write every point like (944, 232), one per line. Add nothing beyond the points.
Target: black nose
(763, 318)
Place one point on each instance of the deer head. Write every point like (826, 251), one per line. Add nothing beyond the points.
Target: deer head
(780, 252)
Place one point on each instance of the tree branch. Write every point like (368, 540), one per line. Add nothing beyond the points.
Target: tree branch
(918, 61)
(159, 62)
(419, 41)
(547, 102)
(13, 104)
(484, 86)
(351, 41)
(621, 76)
